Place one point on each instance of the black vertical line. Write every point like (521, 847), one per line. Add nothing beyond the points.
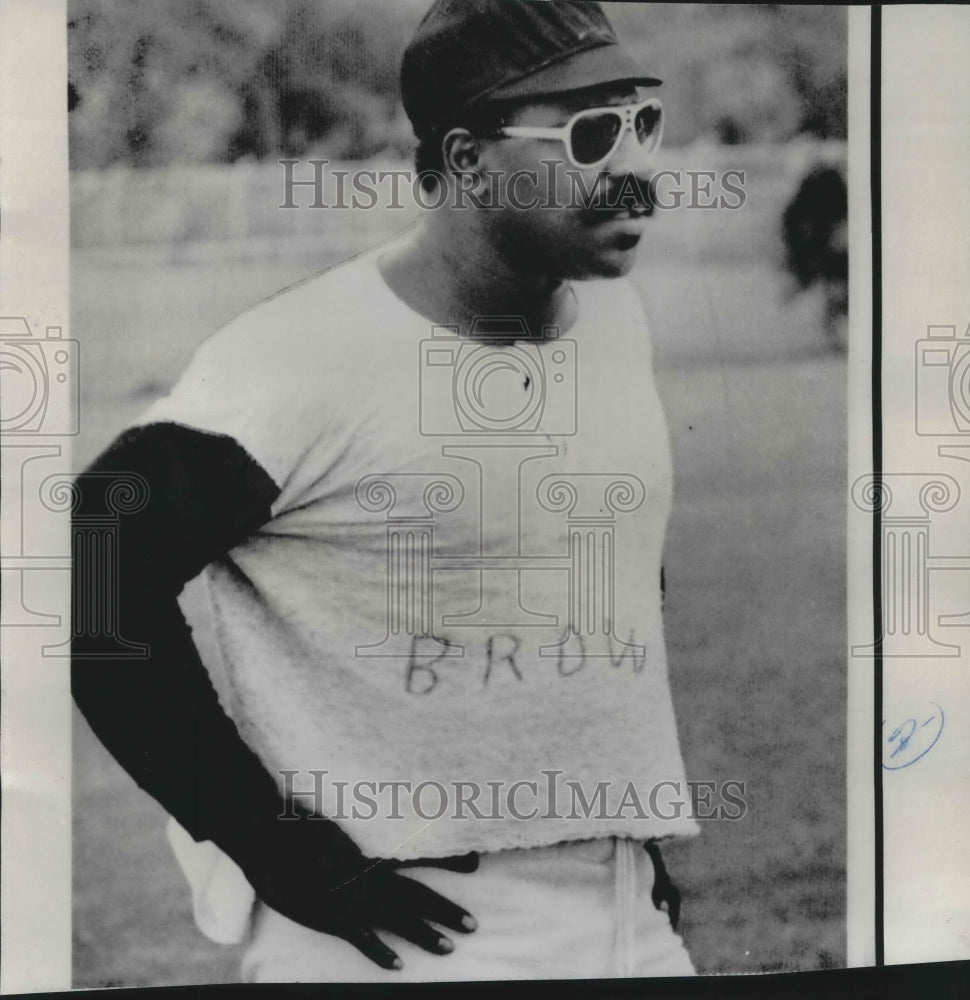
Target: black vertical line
(875, 111)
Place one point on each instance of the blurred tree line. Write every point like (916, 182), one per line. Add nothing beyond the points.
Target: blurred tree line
(211, 81)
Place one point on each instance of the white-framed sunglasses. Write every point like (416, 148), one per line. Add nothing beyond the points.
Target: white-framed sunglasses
(593, 135)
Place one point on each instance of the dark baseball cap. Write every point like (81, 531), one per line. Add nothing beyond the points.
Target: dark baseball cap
(466, 53)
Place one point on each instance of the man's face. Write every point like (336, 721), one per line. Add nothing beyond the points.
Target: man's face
(564, 235)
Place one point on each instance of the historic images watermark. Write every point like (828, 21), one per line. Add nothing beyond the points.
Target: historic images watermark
(543, 796)
(907, 503)
(39, 374)
(922, 540)
(40, 405)
(500, 407)
(910, 505)
(552, 187)
(943, 389)
(39, 409)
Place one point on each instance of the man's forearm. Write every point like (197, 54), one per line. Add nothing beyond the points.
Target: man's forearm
(161, 719)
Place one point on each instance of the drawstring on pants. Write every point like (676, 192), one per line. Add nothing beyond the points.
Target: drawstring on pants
(664, 895)
(625, 896)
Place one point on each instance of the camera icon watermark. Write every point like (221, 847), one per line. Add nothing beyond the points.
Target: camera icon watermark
(38, 381)
(502, 552)
(943, 382)
(497, 380)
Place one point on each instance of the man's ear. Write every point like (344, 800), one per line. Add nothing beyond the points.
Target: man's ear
(461, 151)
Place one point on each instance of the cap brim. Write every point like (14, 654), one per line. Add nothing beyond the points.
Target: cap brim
(589, 68)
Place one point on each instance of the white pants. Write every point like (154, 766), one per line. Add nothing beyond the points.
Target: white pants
(570, 911)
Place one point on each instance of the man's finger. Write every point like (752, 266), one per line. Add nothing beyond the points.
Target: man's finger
(372, 947)
(455, 863)
(415, 930)
(416, 898)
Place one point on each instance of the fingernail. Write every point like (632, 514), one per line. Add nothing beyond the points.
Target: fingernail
(397, 963)
(446, 944)
(469, 922)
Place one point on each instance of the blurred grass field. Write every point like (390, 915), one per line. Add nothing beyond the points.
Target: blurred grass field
(754, 619)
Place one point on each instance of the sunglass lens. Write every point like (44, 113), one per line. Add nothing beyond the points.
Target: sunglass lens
(593, 137)
(648, 126)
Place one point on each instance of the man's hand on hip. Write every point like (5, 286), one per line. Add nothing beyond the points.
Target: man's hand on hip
(312, 874)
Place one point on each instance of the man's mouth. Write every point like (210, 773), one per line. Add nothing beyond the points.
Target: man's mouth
(632, 214)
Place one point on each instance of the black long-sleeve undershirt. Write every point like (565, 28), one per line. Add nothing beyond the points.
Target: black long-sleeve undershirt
(159, 715)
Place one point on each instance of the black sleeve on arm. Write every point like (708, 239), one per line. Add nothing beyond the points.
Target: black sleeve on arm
(159, 715)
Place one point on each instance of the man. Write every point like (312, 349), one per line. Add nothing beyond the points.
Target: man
(428, 490)
(814, 229)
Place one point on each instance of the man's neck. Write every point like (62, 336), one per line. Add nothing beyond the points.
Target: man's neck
(441, 280)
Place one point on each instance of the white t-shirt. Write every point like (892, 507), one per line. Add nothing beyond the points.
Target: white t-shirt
(458, 591)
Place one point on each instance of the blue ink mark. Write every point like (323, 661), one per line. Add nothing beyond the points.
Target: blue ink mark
(912, 739)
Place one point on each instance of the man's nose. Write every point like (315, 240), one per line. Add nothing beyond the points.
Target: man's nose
(630, 157)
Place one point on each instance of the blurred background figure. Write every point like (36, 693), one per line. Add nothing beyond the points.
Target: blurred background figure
(816, 236)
